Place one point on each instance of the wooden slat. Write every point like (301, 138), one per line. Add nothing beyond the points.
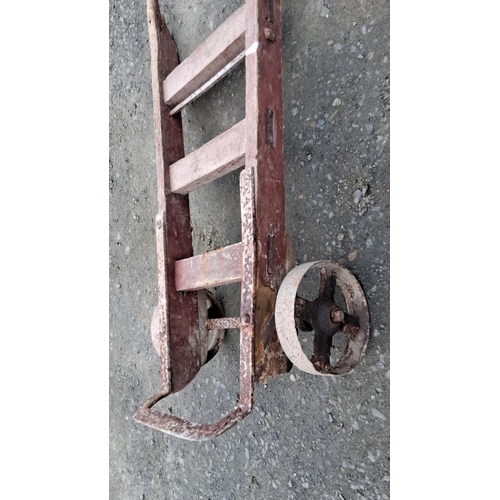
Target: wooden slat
(178, 312)
(220, 267)
(224, 45)
(216, 158)
(209, 84)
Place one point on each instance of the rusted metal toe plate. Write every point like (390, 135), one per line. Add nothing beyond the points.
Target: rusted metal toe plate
(185, 429)
(356, 306)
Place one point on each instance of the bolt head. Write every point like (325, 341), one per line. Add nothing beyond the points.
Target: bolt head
(269, 34)
(336, 315)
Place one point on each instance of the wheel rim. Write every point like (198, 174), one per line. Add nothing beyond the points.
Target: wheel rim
(357, 336)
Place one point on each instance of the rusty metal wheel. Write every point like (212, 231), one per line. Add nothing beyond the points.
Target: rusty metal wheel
(324, 317)
(215, 337)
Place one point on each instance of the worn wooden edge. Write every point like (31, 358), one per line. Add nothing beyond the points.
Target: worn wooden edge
(216, 158)
(209, 84)
(219, 49)
(219, 267)
(179, 322)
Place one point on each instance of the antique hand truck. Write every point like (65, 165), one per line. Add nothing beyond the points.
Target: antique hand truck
(271, 311)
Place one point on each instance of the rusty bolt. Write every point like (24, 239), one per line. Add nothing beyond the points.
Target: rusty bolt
(336, 315)
(158, 224)
(245, 319)
(269, 34)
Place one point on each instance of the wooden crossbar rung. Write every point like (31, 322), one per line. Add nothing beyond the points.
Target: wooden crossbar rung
(221, 155)
(219, 267)
(224, 45)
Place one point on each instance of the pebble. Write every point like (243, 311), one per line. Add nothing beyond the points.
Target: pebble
(332, 116)
(294, 111)
(352, 256)
(357, 196)
(305, 485)
(336, 102)
(377, 414)
(292, 378)
(320, 124)
(337, 47)
(324, 11)
(330, 42)
(371, 457)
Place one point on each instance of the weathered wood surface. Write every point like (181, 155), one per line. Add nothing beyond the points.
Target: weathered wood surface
(221, 155)
(219, 267)
(178, 312)
(224, 45)
(265, 154)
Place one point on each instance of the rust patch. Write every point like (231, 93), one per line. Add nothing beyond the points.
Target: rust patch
(271, 360)
(224, 323)
(183, 428)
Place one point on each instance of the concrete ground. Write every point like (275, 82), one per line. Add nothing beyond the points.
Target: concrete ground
(308, 437)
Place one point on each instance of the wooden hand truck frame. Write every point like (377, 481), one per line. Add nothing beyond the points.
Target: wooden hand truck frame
(270, 309)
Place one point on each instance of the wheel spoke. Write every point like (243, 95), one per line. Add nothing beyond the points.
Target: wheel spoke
(327, 283)
(349, 319)
(303, 314)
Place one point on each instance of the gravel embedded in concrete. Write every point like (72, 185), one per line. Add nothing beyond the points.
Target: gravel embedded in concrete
(308, 436)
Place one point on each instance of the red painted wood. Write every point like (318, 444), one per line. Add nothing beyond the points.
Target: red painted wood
(216, 158)
(220, 48)
(265, 154)
(179, 325)
(220, 267)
